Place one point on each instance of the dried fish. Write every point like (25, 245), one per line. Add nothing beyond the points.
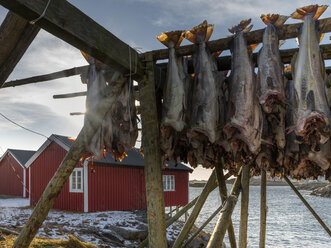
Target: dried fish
(271, 79)
(312, 115)
(203, 114)
(244, 117)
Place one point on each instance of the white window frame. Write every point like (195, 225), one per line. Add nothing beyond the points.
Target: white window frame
(74, 172)
(166, 180)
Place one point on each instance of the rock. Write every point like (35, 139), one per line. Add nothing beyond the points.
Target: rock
(102, 215)
(129, 234)
(2, 238)
(110, 234)
(322, 191)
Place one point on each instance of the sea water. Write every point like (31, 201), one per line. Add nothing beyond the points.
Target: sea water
(289, 222)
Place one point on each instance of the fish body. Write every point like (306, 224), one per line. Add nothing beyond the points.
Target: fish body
(203, 114)
(244, 116)
(312, 115)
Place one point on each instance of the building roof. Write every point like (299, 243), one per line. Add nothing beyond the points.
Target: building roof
(21, 156)
(134, 157)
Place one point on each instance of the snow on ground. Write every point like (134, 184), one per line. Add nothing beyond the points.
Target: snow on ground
(14, 202)
(101, 228)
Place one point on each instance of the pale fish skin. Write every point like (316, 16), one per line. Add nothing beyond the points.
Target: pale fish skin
(203, 115)
(244, 116)
(310, 103)
(271, 84)
(174, 103)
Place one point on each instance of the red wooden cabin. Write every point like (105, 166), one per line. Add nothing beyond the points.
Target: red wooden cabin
(14, 176)
(101, 185)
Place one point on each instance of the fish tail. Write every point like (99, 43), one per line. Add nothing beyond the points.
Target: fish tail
(242, 26)
(253, 46)
(200, 33)
(314, 10)
(281, 43)
(174, 37)
(275, 19)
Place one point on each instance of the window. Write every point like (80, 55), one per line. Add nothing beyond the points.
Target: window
(76, 180)
(168, 183)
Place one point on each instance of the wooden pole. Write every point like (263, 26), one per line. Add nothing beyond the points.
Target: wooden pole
(224, 195)
(16, 35)
(152, 156)
(244, 206)
(69, 162)
(263, 208)
(217, 237)
(182, 211)
(203, 226)
(308, 206)
(212, 183)
(286, 31)
(70, 95)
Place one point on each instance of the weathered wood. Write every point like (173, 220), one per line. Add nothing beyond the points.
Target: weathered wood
(70, 95)
(211, 183)
(203, 226)
(16, 35)
(69, 162)
(68, 23)
(244, 206)
(224, 194)
(308, 206)
(47, 77)
(152, 156)
(7, 231)
(263, 208)
(217, 237)
(77, 113)
(286, 31)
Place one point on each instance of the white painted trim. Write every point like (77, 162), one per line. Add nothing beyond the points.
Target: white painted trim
(71, 190)
(37, 153)
(29, 185)
(171, 176)
(85, 186)
(24, 182)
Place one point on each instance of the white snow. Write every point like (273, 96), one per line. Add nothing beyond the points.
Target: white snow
(14, 202)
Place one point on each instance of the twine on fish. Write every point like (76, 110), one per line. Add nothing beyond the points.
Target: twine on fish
(42, 15)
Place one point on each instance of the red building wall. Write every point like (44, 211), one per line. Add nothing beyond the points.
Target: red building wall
(123, 188)
(116, 188)
(43, 169)
(179, 197)
(10, 183)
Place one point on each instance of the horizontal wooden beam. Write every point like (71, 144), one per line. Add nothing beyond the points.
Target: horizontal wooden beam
(77, 113)
(286, 31)
(70, 95)
(68, 23)
(47, 77)
(16, 35)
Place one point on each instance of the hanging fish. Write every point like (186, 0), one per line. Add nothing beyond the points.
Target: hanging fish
(312, 115)
(203, 114)
(119, 127)
(271, 79)
(96, 84)
(174, 103)
(244, 117)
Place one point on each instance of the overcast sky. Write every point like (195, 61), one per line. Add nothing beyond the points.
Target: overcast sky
(136, 22)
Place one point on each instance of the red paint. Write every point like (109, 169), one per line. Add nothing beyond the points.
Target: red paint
(111, 187)
(42, 171)
(11, 176)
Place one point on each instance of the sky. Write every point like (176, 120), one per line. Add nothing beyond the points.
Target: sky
(136, 22)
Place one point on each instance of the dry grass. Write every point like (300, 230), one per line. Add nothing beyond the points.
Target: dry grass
(72, 242)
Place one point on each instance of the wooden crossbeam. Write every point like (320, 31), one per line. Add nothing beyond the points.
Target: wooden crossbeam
(286, 31)
(16, 35)
(68, 23)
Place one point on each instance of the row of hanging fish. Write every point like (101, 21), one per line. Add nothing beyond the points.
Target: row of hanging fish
(119, 131)
(283, 126)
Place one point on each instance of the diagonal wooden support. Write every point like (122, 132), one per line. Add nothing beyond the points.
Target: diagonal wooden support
(244, 206)
(224, 195)
(16, 35)
(182, 211)
(212, 183)
(223, 222)
(263, 208)
(68, 23)
(152, 156)
(308, 206)
(61, 176)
